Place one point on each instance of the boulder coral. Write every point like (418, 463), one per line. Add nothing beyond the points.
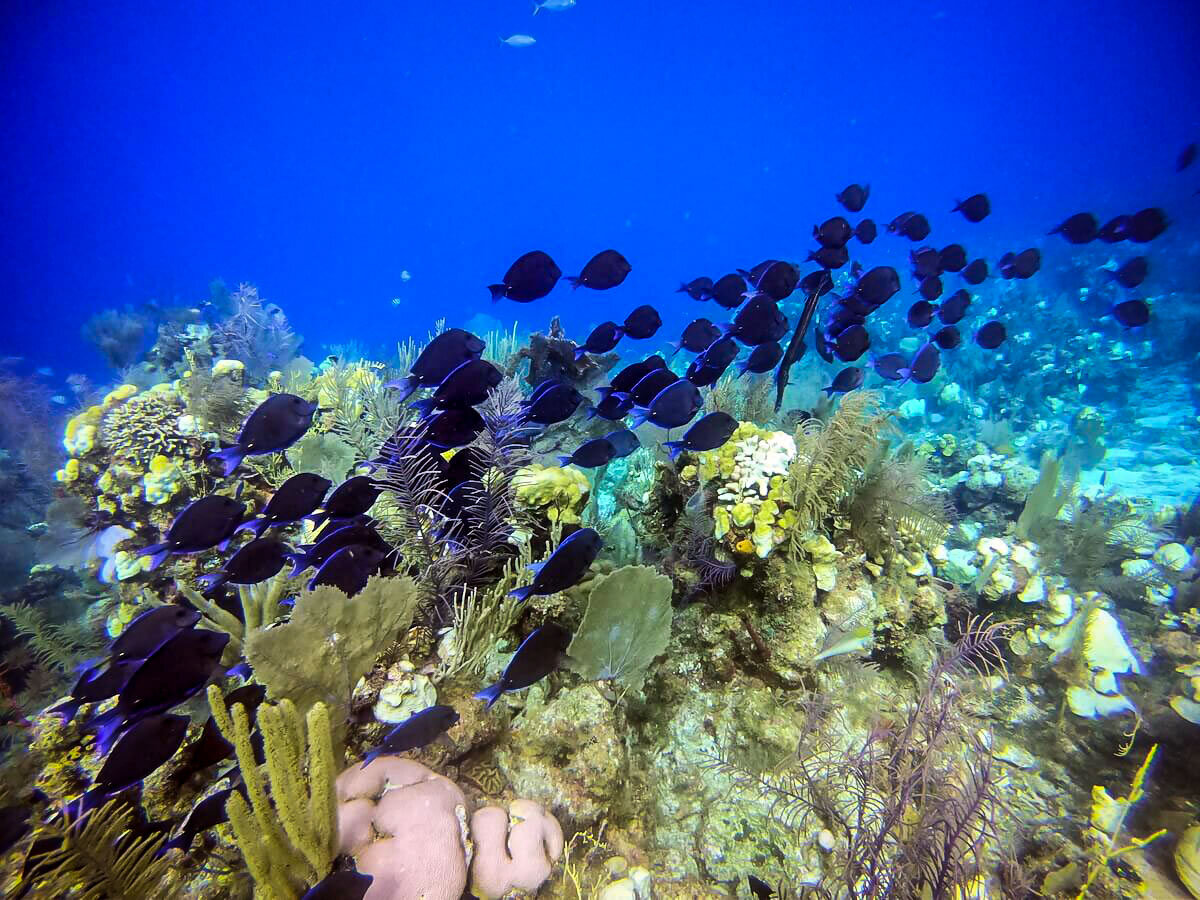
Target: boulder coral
(407, 827)
(557, 493)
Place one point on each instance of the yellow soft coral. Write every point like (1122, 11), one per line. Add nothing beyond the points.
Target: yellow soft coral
(558, 493)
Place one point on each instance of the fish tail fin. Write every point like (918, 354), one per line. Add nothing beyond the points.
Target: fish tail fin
(498, 290)
(67, 709)
(828, 391)
(255, 526)
(209, 582)
(678, 345)
(405, 386)
(674, 449)
(744, 368)
(424, 407)
(726, 327)
(682, 289)
(580, 353)
(591, 414)
(640, 416)
(107, 727)
(536, 7)
(564, 460)
(491, 694)
(230, 458)
(522, 593)
(371, 755)
(957, 205)
(574, 281)
(157, 553)
(603, 392)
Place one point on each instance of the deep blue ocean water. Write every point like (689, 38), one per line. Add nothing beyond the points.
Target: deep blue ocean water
(318, 152)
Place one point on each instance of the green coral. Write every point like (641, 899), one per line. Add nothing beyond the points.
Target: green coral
(627, 624)
(287, 834)
(331, 641)
(558, 493)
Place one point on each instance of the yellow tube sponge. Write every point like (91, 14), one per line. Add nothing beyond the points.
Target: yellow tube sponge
(163, 481)
(558, 493)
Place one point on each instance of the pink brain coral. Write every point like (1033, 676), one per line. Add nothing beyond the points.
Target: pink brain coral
(516, 848)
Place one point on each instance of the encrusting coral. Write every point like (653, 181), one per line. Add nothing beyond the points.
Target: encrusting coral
(558, 493)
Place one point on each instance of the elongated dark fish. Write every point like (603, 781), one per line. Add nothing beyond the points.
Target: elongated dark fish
(565, 567)
(854, 197)
(539, 655)
(347, 535)
(795, 347)
(276, 424)
(416, 731)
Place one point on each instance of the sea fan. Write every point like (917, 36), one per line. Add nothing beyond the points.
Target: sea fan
(893, 499)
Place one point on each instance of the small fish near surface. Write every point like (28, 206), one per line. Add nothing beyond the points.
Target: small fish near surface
(642, 323)
(565, 567)
(296, 498)
(698, 288)
(348, 569)
(846, 380)
(254, 563)
(975, 208)
(468, 385)
(537, 656)
(708, 433)
(276, 424)
(552, 5)
(530, 278)
(346, 885)
(441, 356)
(201, 525)
(519, 40)
(603, 338)
(853, 197)
(418, 730)
(675, 406)
(604, 271)
(590, 454)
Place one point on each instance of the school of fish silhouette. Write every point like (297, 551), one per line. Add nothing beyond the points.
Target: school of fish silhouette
(161, 659)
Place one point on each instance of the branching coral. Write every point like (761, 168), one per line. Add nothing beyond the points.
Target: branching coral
(258, 334)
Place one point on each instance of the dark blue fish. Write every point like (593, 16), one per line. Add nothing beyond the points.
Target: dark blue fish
(759, 888)
(920, 314)
(991, 335)
(207, 749)
(531, 277)
(1020, 265)
(467, 464)
(348, 535)
(642, 323)
(728, 290)
(702, 375)
(719, 354)
(952, 258)
(975, 208)
(1186, 157)
(97, 683)
(590, 454)
(1081, 228)
(890, 366)
(553, 405)
(947, 337)
(931, 287)
(14, 824)
(850, 343)
(349, 500)
(151, 630)
(866, 231)
(848, 379)
(853, 197)
(452, 428)
(253, 563)
(698, 288)
(539, 655)
(650, 385)
(926, 261)
(624, 380)
(1131, 313)
(1115, 230)
(924, 365)
(975, 271)
(141, 750)
(1145, 225)
(819, 282)
(674, 406)
(954, 307)
(624, 442)
(296, 498)
(441, 356)
(696, 336)
(709, 433)
(348, 569)
(763, 358)
(276, 424)
(565, 567)
(175, 672)
(780, 278)
(468, 385)
(202, 525)
(911, 225)
(829, 257)
(613, 407)
(343, 885)
(207, 813)
(602, 339)
(834, 232)
(416, 731)
(760, 321)
(877, 285)
(605, 270)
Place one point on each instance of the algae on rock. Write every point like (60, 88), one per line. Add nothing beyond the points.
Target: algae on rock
(627, 624)
(331, 641)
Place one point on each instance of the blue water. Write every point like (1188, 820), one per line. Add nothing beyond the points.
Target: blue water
(320, 152)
